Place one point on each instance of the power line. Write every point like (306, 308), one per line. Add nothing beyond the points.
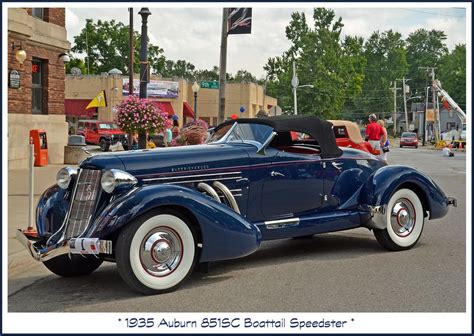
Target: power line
(419, 11)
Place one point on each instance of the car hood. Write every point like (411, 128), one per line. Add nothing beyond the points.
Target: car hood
(172, 160)
(110, 132)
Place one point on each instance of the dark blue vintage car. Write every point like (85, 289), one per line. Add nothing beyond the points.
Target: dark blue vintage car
(157, 213)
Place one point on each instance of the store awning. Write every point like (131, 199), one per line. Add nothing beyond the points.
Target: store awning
(77, 108)
(187, 110)
(165, 106)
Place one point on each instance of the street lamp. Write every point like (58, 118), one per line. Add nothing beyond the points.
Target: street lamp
(295, 96)
(144, 78)
(295, 84)
(195, 89)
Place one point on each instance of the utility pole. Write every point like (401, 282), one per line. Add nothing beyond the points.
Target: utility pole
(405, 103)
(433, 92)
(394, 89)
(424, 117)
(294, 84)
(222, 67)
(131, 50)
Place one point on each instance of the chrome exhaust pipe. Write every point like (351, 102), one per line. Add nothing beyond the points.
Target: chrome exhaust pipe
(228, 195)
(210, 190)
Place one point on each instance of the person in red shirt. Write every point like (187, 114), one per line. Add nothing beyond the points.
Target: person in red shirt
(373, 132)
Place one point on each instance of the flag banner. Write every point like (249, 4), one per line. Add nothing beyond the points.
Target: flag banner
(239, 21)
(98, 101)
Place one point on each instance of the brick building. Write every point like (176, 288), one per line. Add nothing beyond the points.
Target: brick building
(36, 98)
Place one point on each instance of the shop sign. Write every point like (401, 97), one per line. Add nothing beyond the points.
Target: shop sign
(155, 88)
(14, 79)
(430, 115)
(210, 85)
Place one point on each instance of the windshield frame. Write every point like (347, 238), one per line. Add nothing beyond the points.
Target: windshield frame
(257, 144)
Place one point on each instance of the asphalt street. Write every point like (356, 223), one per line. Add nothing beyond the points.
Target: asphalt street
(337, 272)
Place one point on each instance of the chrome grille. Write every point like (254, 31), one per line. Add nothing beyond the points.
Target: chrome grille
(84, 200)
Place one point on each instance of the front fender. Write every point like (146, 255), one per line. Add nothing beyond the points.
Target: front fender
(225, 234)
(378, 189)
(51, 210)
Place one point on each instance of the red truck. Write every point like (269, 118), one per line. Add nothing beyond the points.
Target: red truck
(102, 133)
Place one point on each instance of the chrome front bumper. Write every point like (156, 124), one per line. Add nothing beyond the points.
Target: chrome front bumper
(45, 254)
(83, 246)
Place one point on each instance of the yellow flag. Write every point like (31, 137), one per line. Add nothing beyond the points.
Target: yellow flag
(98, 101)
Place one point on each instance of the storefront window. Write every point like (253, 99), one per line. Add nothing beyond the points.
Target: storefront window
(38, 13)
(36, 86)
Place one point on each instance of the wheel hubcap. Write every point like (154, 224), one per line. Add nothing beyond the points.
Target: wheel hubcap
(161, 251)
(403, 217)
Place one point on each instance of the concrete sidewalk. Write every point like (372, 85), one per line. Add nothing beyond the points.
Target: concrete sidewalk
(22, 269)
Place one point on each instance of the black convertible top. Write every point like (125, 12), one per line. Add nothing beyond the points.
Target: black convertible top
(320, 130)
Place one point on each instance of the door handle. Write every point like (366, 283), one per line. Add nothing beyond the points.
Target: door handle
(274, 173)
(337, 165)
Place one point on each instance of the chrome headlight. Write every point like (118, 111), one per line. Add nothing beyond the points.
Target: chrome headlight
(113, 178)
(64, 176)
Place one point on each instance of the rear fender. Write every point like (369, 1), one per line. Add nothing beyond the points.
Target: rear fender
(225, 234)
(385, 181)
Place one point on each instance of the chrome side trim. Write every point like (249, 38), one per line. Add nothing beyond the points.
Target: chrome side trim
(202, 180)
(189, 176)
(281, 223)
(207, 188)
(228, 195)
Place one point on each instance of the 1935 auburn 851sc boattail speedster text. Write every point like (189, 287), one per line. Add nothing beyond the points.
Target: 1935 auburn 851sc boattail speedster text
(157, 213)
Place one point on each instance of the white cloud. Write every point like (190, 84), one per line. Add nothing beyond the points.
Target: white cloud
(72, 23)
(194, 34)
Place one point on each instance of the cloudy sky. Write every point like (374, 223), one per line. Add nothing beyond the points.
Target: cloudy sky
(194, 34)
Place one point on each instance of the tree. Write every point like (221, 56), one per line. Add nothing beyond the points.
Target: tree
(244, 76)
(76, 63)
(452, 74)
(386, 61)
(424, 49)
(180, 68)
(207, 75)
(106, 46)
(333, 67)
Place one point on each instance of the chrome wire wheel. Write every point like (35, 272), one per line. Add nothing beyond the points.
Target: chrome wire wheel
(156, 252)
(404, 220)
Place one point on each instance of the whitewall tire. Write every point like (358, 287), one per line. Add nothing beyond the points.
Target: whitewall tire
(405, 220)
(156, 252)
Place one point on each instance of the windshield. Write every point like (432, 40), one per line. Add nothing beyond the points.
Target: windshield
(241, 132)
(108, 126)
(409, 135)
